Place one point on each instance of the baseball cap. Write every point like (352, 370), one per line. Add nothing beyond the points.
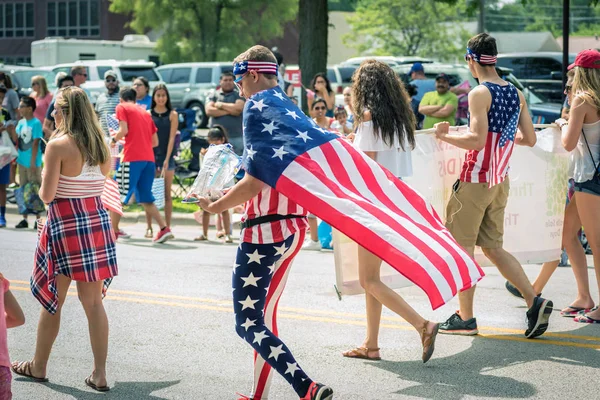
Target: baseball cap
(110, 73)
(442, 76)
(586, 59)
(416, 67)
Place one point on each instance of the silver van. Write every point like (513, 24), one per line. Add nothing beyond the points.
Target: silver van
(190, 83)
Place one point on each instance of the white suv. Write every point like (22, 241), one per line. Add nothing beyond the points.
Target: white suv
(126, 70)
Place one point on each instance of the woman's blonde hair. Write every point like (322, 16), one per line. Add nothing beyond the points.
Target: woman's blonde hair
(586, 85)
(43, 89)
(80, 122)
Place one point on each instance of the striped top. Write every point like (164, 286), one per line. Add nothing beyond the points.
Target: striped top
(89, 183)
(269, 201)
(491, 164)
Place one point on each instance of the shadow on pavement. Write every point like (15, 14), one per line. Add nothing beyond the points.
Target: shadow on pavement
(471, 372)
(120, 390)
(147, 243)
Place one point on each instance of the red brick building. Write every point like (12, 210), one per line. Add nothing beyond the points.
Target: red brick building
(23, 21)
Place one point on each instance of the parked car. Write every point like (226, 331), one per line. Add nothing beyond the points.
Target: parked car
(541, 109)
(190, 83)
(21, 77)
(127, 71)
(541, 71)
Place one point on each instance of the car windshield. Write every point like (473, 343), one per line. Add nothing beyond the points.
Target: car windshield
(346, 74)
(24, 77)
(130, 73)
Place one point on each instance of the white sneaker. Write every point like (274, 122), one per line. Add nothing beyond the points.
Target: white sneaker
(310, 245)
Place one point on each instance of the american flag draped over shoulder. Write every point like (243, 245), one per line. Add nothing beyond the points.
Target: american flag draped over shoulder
(341, 185)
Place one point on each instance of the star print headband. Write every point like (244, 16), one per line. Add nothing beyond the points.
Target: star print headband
(265, 67)
(482, 59)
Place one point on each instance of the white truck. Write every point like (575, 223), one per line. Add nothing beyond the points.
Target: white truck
(58, 50)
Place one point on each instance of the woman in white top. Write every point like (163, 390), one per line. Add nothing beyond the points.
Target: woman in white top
(384, 124)
(581, 137)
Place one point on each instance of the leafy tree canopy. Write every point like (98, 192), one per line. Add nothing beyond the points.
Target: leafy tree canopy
(208, 30)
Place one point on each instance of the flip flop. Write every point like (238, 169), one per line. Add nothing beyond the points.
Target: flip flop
(586, 319)
(23, 368)
(362, 353)
(572, 311)
(91, 384)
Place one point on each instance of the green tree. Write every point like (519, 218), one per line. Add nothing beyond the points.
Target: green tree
(207, 30)
(408, 28)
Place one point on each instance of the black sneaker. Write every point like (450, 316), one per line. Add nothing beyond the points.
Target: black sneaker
(512, 289)
(318, 391)
(456, 326)
(22, 225)
(537, 317)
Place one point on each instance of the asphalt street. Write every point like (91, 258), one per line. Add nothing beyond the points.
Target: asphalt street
(172, 333)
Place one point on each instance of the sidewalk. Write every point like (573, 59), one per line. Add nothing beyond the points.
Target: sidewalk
(140, 217)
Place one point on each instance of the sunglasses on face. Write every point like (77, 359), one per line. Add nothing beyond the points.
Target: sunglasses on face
(568, 88)
(238, 81)
(34, 84)
(110, 80)
(320, 108)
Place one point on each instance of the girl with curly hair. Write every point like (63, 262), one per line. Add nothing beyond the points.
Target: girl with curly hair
(385, 131)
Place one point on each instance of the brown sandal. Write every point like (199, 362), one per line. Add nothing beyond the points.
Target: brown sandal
(361, 352)
(428, 340)
(23, 368)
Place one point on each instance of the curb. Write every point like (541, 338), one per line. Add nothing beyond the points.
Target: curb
(177, 219)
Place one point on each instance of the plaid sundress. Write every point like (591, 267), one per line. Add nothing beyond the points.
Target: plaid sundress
(77, 241)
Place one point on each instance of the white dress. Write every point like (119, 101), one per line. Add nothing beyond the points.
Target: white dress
(581, 166)
(393, 158)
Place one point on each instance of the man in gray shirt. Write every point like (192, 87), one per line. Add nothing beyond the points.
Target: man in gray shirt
(224, 107)
(107, 102)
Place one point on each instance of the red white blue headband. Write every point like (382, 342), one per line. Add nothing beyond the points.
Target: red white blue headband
(482, 59)
(264, 67)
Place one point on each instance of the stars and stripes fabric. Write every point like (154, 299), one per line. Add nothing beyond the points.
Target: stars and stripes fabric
(259, 276)
(491, 165)
(325, 175)
(113, 123)
(77, 241)
(111, 197)
(269, 201)
(264, 67)
(481, 58)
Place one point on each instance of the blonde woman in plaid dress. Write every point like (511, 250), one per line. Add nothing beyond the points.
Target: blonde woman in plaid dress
(77, 242)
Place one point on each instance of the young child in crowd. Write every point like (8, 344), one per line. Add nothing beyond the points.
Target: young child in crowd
(29, 160)
(13, 317)
(341, 123)
(216, 135)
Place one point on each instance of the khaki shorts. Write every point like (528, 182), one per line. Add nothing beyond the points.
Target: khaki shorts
(475, 214)
(28, 175)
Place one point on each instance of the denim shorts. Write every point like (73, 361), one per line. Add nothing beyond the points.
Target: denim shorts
(160, 162)
(591, 187)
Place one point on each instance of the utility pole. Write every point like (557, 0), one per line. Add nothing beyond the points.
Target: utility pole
(565, 41)
(481, 19)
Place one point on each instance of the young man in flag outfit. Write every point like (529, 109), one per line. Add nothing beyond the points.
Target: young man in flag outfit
(292, 165)
(272, 234)
(475, 212)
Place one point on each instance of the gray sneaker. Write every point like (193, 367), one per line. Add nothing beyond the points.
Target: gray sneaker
(456, 326)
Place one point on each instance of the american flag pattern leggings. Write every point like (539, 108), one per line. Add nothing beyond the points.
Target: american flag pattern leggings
(259, 276)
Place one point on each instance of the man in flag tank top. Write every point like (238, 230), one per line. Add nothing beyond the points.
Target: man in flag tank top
(273, 230)
(475, 211)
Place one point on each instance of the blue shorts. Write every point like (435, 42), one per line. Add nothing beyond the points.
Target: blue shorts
(141, 177)
(5, 175)
(591, 187)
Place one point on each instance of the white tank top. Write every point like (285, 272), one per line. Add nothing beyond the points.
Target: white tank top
(581, 166)
(89, 183)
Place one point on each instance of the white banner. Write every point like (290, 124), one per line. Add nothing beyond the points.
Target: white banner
(533, 217)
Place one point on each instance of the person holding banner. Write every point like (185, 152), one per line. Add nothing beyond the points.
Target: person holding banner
(77, 241)
(581, 137)
(475, 212)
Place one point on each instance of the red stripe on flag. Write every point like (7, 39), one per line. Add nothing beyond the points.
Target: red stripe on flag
(111, 198)
(411, 196)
